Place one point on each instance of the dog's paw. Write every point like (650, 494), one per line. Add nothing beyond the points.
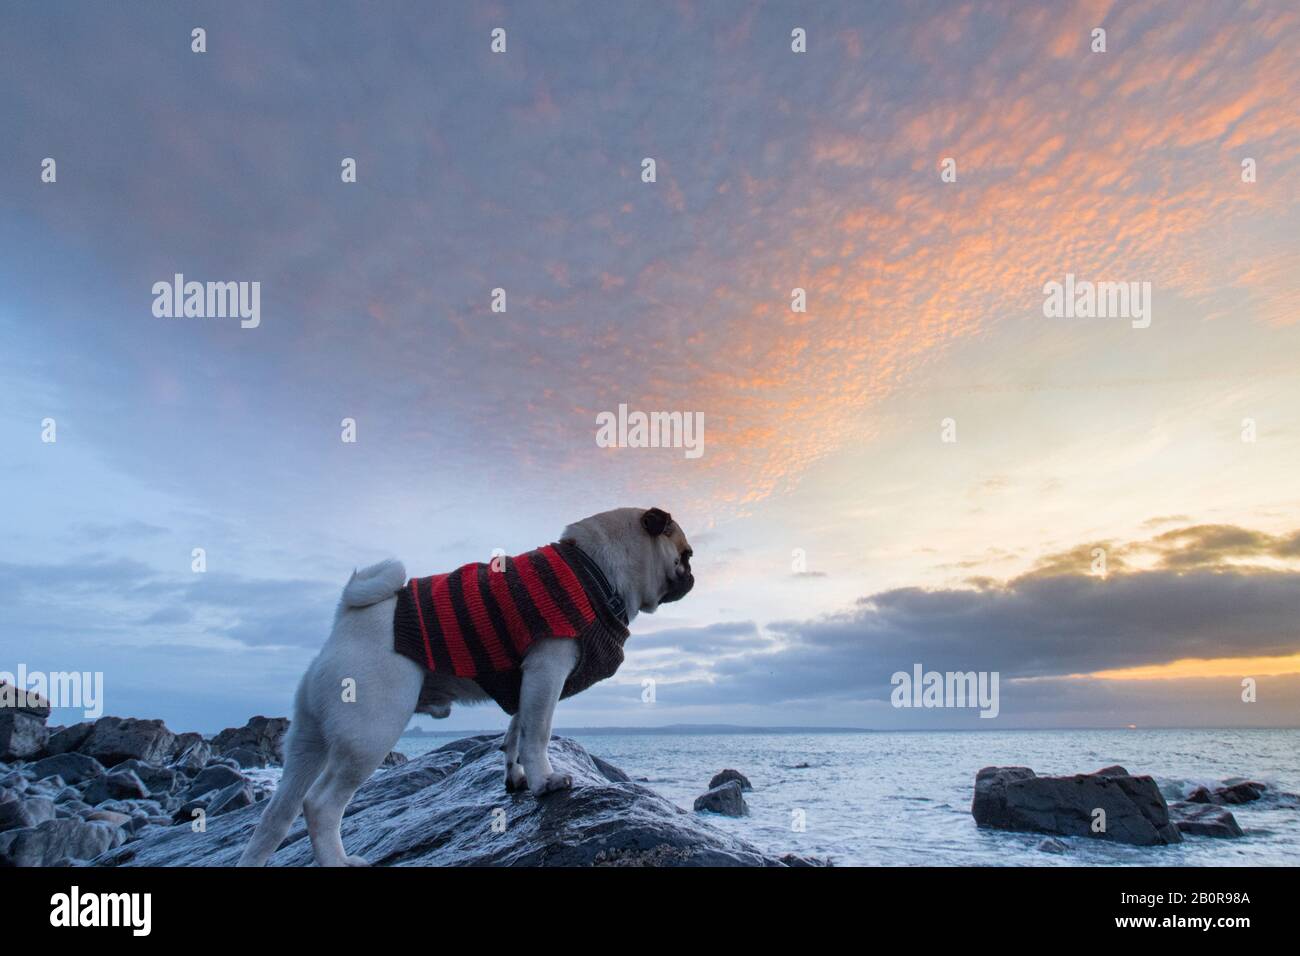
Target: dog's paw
(556, 781)
(356, 861)
(515, 780)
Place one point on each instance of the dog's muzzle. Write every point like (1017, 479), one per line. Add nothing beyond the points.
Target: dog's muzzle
(678, 588)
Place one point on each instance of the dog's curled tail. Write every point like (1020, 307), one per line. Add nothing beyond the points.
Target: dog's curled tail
(371, 585)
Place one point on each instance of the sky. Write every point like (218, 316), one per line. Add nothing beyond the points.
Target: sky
(919, 469)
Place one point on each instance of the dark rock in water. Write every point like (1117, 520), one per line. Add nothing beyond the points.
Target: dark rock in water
(1204, 820)
(1114, 770)
(115, 785)
(1015, 798)
(115, 739)
(725, 799)
(216, 776)
(57, 842)
(1052, 845)
(440, 809)
(25, 812)
(261, 735)
(22, 735)
(72, 767)
(1244, 792)
(69, 738)
(724, 775)
(394, 759)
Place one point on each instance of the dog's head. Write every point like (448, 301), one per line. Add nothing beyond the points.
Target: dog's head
(642, 551)
(673, 553)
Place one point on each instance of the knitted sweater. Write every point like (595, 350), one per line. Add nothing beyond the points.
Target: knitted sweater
(479, 623)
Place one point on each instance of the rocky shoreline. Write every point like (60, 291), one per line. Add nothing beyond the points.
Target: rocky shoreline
(129, 792)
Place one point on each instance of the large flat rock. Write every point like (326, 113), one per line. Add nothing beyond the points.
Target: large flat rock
(449, 807)
(1015, 798)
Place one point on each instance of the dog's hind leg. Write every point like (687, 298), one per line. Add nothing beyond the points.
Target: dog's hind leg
(304, 756)
(351, 762)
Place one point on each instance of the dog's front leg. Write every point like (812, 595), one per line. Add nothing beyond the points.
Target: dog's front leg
(515, 779)
(545, 669)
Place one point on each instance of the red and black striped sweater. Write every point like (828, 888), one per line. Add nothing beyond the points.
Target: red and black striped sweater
(478, 622)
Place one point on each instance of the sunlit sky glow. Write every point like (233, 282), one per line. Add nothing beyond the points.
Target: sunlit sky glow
(775, 171)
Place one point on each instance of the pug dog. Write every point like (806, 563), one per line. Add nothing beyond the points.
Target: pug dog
(525, 631)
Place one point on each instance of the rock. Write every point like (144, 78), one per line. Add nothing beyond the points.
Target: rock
(48, 786)
(194, 753)
(15, 699)
(1052, 845)
(394, 759)
(69, 738)
(723, 776)
(1204, 820)
(115, 739)
(262, 735)
(217, 776)
(25, 812)
(1244, 792)
(21, 735)
(793, 859)
(72, 767)
(246, 757)
(68, 795)
(437, 810)
(56, 842)
(156, 779)
(111, 817)
(725, 799)
(1015, 798)
(185, 812)
(116, 785)
(234, 797)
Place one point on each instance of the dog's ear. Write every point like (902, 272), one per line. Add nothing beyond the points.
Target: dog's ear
(655, 522)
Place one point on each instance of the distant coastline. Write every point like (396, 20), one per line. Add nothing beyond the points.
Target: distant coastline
(650, 731)
(723, 729)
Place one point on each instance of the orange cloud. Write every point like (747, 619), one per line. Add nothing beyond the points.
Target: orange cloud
(1201, 667)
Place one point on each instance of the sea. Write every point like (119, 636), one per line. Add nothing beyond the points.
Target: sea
(903, 798)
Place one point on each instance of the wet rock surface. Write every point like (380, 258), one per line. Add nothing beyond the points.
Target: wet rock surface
(449, 808)
(1202, 819)
(724, 775)
(1015, 798)
(726, 798)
